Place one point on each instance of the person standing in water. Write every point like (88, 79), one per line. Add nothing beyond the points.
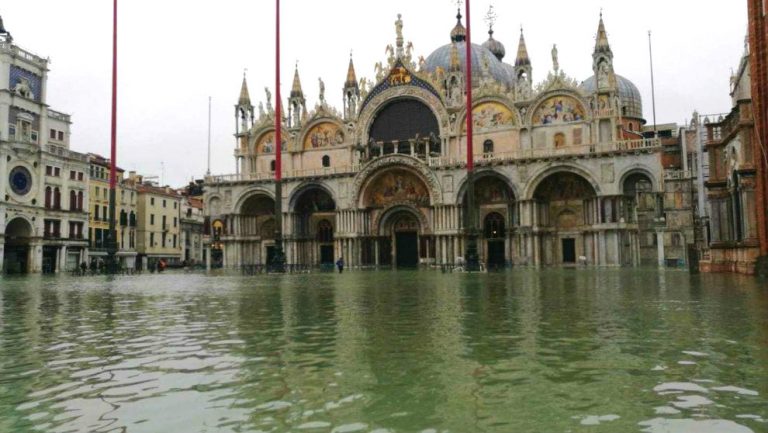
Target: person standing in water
(340, 264)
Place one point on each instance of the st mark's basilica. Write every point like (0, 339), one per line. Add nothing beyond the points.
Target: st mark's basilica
(564, 173)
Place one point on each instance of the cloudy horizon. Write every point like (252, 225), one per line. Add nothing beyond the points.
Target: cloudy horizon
(174, 56)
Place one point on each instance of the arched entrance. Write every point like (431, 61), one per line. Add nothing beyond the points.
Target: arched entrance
(403, 228)
(18, 234)
(566, 204)
(397, 199)
(495, 212)
(256, 224)
(493, 231)
(313, 226)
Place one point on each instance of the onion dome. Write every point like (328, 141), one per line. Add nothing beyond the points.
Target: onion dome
(459, 33)
(629, 95)
(494, 46)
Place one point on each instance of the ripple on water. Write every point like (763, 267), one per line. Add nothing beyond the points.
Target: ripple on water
(663, 425)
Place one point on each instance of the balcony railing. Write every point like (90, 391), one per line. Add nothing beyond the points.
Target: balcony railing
(627, 146)
(26, 55)
(66, 153)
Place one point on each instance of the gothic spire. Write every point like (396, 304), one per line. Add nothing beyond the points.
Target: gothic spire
(522, 52)
(601, 44)
(245, 98)
(296, 91)
(351, 76)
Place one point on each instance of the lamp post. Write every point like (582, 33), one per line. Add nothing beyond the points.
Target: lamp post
(470, 223)
(278, 260)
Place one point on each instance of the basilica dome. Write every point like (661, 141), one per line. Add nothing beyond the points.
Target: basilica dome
(631, 101)
(441, 58)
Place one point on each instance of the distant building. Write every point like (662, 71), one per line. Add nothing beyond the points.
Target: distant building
(565, 173)
(43, 184)
(158, 228)
(126, 209)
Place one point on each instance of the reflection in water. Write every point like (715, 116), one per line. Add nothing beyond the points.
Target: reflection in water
(561, 350)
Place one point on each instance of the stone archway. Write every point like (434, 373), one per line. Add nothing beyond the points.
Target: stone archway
(565, 210)
(17, 255)
(254, 223)
(313, 222)
(403, 230)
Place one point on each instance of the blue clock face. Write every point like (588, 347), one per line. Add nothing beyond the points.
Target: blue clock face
(21, 180)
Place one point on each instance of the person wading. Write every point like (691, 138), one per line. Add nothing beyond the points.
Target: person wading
(340, 264)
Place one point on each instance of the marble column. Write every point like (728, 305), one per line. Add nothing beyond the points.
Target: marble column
(660, 245)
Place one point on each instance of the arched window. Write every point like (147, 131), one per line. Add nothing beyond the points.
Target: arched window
(48, 193)
(80, 201)
(56, 198)
(494, 226)
(559, 140)
(272, 165)
(132, 220)
(326, 161)
(324, 231)
(488, 146)
(72, 200)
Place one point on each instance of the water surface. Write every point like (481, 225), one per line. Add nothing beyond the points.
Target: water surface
(522, 351)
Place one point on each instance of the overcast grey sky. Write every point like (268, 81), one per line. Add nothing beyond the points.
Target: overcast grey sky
(174, 54)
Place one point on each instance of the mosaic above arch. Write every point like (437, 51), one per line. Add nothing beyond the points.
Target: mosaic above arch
(326, 134)
(396, 186)
(490, 116)
(558, 110)
(266, 143)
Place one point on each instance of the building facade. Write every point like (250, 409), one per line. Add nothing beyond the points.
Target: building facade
(758, 42)
(158, 226)
(192, 230)
(564, 173)
(43, 184)
(125, 213)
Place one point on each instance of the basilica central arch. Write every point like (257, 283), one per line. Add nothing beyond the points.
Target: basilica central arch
(565, 212)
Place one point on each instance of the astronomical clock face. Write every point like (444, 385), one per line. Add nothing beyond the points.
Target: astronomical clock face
(20, 180)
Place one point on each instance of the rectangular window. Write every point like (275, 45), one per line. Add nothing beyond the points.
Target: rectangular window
(72, 175)
(163, 203)
(48, 170)
(106, 214)
(56, 171)
(175, 221)
(53, 134)
(174, 241)
(174, 205)
(80, 176)
(152, 219)
(151, 239)
(61, 135)
(96, 213)
(152, 201)
(164, 220)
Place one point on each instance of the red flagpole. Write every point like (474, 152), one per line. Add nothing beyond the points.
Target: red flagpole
(112, 245)
(113, 154)
(278, 115)
(470, 144)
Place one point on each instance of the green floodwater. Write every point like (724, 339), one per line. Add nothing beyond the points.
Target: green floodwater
(521, 351)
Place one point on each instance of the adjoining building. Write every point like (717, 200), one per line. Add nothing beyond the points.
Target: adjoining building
(564, 174)
(158, 227)
(43, 184)
(736, 178)
(126, 210)
(192, 230)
